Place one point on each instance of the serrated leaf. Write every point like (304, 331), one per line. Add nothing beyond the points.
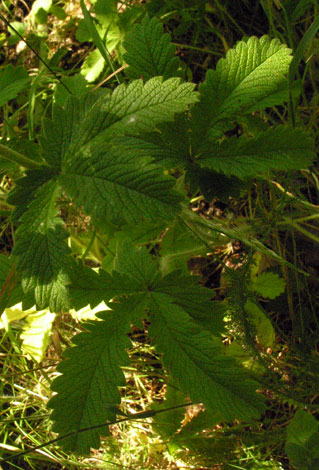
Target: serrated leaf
(88, 313)
(239, 85)
(184, 291)
(203, 420)
(112, 186)
(201, 369)
(169, 146)
(91, 374)
(276, 149)
(14, 313)
(138, 107)
(241, 80)
(269, 285)
(149, 51)
(136, 263)
(23, 193)
(70, 128)
(90, 287)
(13, 80)
(144, 232)
(43, 253)
(130, 109)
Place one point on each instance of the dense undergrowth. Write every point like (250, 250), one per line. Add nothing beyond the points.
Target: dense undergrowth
(159, 206)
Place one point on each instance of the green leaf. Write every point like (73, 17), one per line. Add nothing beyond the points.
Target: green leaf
(178, 246)
(299, 457)
(241, 81)
(184, 291)
(58, 12)
(264, 330)
(301, 428)
(10, 286)
(197, 362)
(44, 259)
(13, 80)
(111, 186)
(277, 149)
(139, 108)
(149, 51)
(18, 28)
(70, 128)
(269, 285)
(23, 193)
(203, 420)
(302, 441)
(90, 287)
(137, 264)
(168, 423)
(169, 146)
(36, 334)
(76, 84)
(130, 109)
(106, 10)
(87, 390)
(142, 233)
(212, 184)
(240, 85)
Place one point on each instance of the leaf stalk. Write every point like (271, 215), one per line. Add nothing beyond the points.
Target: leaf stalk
(17, 157)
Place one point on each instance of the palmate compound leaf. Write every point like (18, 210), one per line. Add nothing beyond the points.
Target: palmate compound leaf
(197, 362)
(137, 188)
(111, 185)
(149, 52)
(43, 255)
(276, 149)
(87, 390)
(136, 264)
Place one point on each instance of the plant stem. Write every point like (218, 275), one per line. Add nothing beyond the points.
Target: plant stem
(199, 49)
(17, 157)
